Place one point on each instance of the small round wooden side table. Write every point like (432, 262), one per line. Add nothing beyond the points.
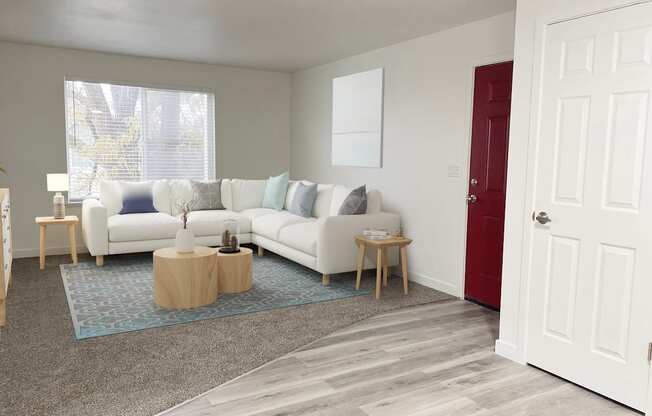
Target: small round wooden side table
(185, 280)
(234, 271)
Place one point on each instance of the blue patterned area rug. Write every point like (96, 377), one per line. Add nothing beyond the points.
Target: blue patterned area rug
(118, 297)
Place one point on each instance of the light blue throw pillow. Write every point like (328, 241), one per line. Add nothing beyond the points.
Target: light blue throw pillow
(303, 200)
(275, 190)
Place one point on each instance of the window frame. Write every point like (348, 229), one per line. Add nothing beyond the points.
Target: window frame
(137, 84)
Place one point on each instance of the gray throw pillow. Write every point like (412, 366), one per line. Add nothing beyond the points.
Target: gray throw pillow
(303, 200)
(207, 195)
(355, 203)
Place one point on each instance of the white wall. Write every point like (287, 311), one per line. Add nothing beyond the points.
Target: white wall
(531, 16)
(252, 121)
(427, 114)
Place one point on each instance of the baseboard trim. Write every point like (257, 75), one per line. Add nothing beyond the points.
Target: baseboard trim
(434, 283)
(509, 351)
(22, 253)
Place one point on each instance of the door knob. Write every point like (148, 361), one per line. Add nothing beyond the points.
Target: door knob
(542, 217)
(471, 199)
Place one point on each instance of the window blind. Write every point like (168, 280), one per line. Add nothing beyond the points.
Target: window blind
(132, 133)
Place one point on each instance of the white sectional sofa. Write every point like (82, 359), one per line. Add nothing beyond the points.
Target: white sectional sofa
(323, 243)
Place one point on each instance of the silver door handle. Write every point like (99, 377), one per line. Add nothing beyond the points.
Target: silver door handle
(542, 217)
(471, 199)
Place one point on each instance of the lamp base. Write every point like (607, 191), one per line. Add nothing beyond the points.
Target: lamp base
(59, 206)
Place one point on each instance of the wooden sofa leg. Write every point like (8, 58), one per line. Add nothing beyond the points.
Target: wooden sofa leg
(261, 251)
(99, 261)
(325, 280)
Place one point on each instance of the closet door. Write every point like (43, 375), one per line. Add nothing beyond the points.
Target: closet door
(590, 318)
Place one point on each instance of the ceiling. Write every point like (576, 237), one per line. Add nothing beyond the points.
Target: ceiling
(284, 35)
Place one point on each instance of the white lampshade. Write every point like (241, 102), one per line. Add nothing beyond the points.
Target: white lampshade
(57, 182)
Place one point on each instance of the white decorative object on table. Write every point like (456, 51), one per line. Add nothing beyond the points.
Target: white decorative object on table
(185, 239)
(372, 234)
(58, 182)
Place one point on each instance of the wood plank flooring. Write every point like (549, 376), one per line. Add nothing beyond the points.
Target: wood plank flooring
(428, 360)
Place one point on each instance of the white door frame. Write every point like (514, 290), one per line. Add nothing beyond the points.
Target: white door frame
(519, 352)
(466, 175)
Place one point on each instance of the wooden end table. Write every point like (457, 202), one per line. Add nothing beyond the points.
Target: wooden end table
(382, 270)
(185, 280)
(71, 221)
(234, 271)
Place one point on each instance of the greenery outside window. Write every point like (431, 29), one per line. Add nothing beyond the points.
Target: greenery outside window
(132, 133)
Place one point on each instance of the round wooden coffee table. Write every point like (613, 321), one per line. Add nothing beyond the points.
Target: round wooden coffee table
(234, 271)
(185, 280)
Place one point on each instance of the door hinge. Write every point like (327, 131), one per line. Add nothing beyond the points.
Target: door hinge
(649, 352)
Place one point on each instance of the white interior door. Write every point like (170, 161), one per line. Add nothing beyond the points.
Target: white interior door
(590, 317)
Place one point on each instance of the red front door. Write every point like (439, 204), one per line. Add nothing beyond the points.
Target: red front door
(487, 182)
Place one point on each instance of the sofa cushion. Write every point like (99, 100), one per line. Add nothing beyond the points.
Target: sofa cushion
(304, 200)
(355, 203)
(322, 205)
(111, 195)
(339, 195)
(210, 222)
(207, 195)
(227, 198)
(252, 213)
(181, 191)
(275, 191)
(148, 226)
(374, 202)
(270, 225)
(289, 196)
(137, 198)
(302, 237)
(247, 194)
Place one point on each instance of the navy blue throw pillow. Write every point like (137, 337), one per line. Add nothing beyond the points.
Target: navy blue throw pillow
(137, 198)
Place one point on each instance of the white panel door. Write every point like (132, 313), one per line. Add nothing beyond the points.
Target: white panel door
(590, 317)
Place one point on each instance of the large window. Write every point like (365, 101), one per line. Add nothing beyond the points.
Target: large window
(136, 133)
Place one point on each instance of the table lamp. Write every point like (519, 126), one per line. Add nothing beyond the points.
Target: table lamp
(58, 182)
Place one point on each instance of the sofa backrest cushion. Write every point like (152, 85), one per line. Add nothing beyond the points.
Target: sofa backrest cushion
(207, 195)
(322, 205)
(276, 190)
(247, 193)
(237, 195)
(304, 200)
(111, 196)
(339, 194)
(355, 203)
(292, 188)
(374, 201)
(137, 197)
(227, 197)
(323, 201)
(181, 191)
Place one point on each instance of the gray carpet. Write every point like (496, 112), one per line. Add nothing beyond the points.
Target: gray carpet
(45, 371)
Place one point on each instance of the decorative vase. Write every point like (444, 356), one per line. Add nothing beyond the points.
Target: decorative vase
(230, 232)
(185, 241)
